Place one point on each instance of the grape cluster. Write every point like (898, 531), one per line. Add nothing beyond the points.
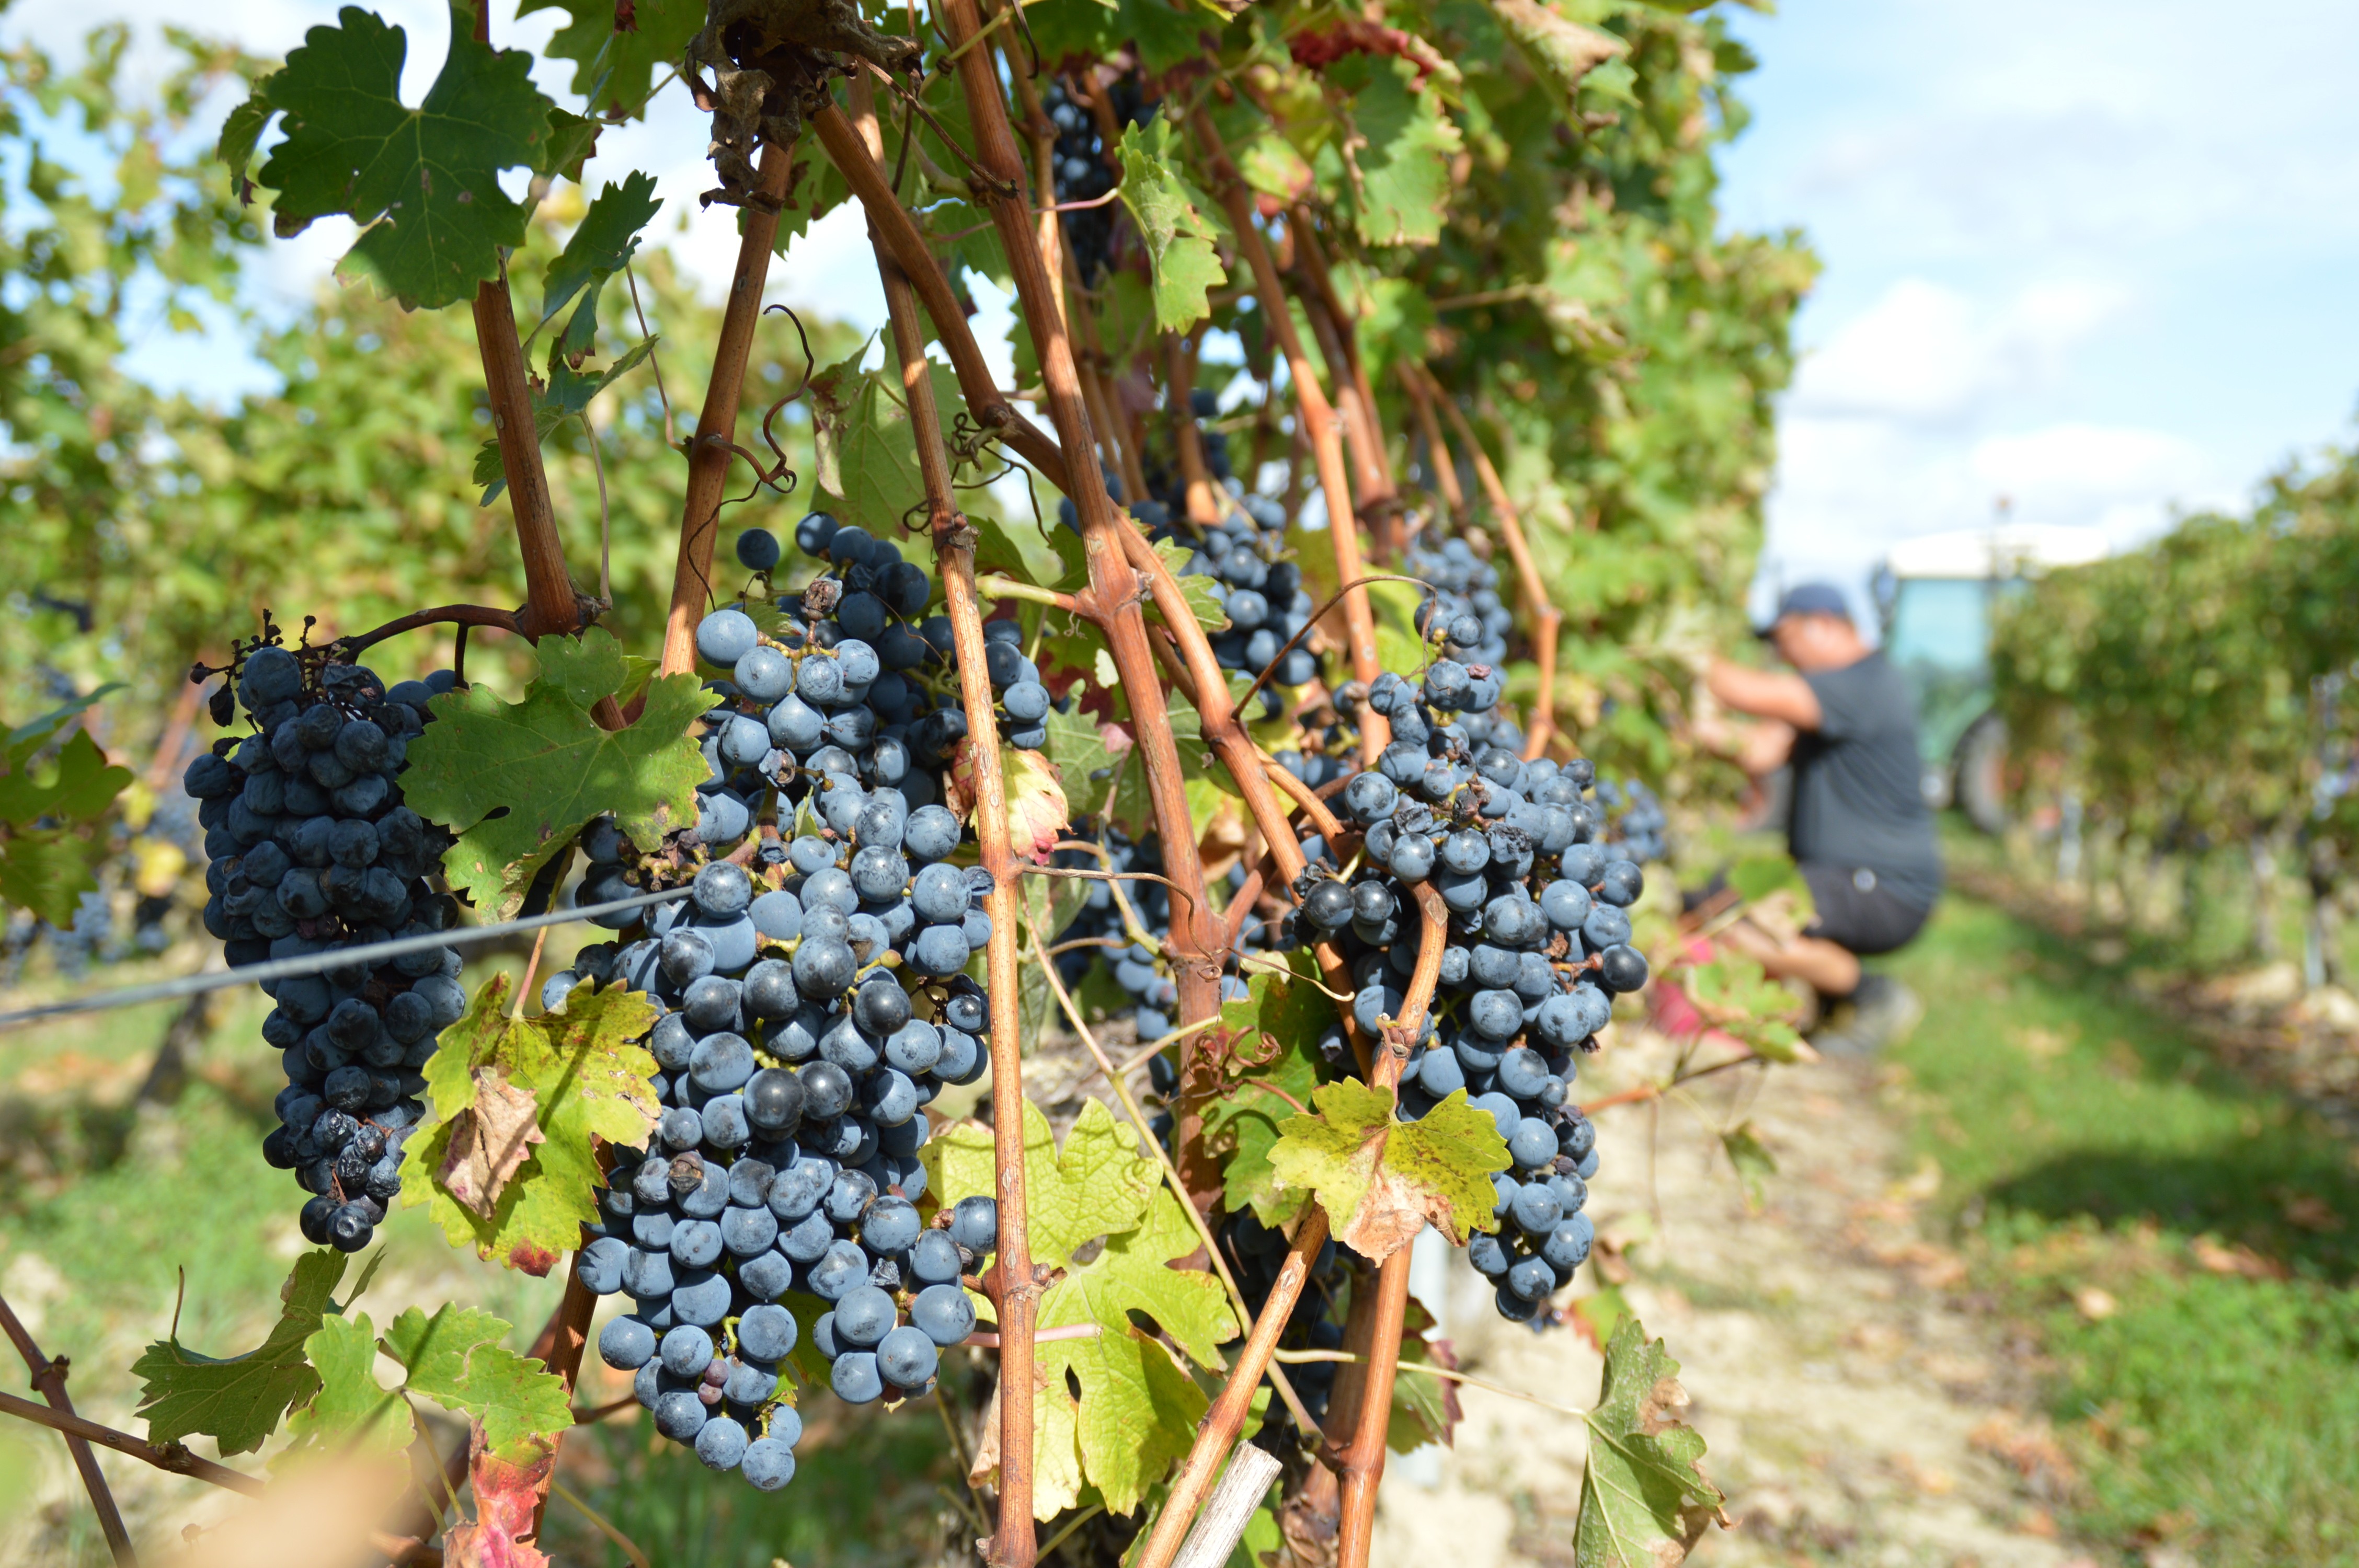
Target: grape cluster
(1635, 820)
(785, 1159)
(813, 1001)
(1538, 945)
(309, 849)
(1083, 172)
(1465, 611)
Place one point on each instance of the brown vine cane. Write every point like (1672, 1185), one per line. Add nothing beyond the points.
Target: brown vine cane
(709, 453)
(989, 407)
(1317, 417)
(1195, 939)
(1018, 1299)
(1218, 1431)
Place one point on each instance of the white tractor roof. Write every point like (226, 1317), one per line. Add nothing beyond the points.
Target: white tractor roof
(2008, 550)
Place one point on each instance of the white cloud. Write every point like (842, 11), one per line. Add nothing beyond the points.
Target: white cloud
(1929, 352)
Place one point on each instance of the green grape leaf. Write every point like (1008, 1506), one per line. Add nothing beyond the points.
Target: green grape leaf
(456, 1359)
(1380, 1180)
(1078, 749)
(517, 781)
(352, 1411)
(1394, 606)
(1563, 48)
(1174, 221)
(602, 244)
(868, 449)
(1644, 1498)
(566, 395)
(47, 871)
(1424, 1407)
(1138, 1407)
(422, 183)
(1200, 590)
(572, 142)
(1022, 550)
(1273, 1030)
(238, 1402)
(1751, 1159)
(80, 788)
(1734, 996)
(1401, 157)
(616, 50)
(586, 1075)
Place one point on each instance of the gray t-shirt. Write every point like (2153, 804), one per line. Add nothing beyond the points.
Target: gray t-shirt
(1856, 799)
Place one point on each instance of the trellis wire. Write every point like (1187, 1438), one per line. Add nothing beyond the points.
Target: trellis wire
(329, 958)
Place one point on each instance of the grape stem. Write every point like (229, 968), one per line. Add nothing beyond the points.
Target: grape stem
(442, 615)
(710, 452)
(997, 587)
(1018, 1298)
(1547, 619)
(1354, 402)
(50, 1377)
(1171, 1172)
(1204, 508)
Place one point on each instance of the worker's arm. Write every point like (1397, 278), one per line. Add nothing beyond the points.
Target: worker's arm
(1766, 694)
(1760, 746)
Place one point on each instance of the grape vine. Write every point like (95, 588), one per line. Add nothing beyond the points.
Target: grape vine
(1241, 739)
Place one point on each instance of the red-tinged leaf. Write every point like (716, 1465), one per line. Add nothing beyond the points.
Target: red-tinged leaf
(505, 1497)
(1037, 808)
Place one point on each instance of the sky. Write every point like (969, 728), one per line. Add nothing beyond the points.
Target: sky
(2090, 257)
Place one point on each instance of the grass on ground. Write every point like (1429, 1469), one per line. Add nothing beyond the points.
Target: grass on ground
(2185, 1243)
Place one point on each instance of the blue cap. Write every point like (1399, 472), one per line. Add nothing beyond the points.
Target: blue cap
(1809, 599)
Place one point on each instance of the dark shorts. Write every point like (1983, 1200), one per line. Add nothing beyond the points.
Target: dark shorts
(1858, 912)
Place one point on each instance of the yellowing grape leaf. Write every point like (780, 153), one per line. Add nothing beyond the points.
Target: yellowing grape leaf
(617, 50)
(1401, 157)
(1563, 48)
(586, 1075)
(423, 183)
(1381, 1181)
(238, 1402)
(1037, 811)
(1175, 222)
(516, 781)
(1138, 1407)
(1645, 1502)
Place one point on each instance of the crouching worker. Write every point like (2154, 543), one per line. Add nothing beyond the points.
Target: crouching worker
(1860, 830)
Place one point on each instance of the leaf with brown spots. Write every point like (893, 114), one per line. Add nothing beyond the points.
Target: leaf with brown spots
(489, 1140)
(1381, 1180)
(1644, 1501)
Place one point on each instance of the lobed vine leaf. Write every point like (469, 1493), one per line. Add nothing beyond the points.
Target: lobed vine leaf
(601, 245)
(1381, 1181)
(423, 183)
(48, 850)
(483, 754)
(509, 1492)
(1137, 1407)
(584, 1074)
(1401, 156)
(1273, 1028)
(454, 1359)
(1175, 222)
(1558, 44)
(1644, 1501)
(616, 49)
(238, 1402)
(352, 1413)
